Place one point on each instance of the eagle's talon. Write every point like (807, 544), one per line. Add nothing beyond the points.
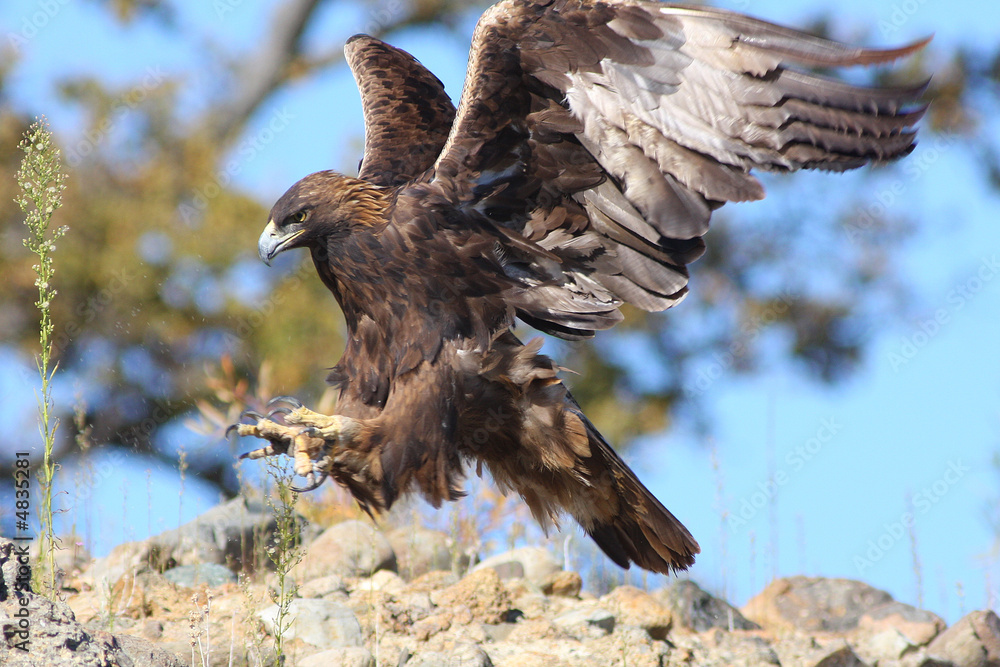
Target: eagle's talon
(312, 483)
(308, 437)
(290, 400)
(312, 432)
(278, 411)
(271, 449)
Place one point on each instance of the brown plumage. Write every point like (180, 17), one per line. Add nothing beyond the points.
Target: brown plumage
(590, 146)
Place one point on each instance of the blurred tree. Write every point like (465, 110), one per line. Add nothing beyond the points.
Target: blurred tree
(159, 280)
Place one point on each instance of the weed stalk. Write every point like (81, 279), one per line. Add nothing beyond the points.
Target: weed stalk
(42, 182)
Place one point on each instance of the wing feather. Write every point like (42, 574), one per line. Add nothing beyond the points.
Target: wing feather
(602, 135)
(407, 113)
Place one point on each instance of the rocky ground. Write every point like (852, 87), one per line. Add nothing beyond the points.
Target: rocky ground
(368, 598)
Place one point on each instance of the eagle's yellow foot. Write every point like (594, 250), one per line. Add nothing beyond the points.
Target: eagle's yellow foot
(309, 437)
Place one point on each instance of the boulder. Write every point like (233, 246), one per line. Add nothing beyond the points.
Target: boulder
(917, 627)
(696, 609)
(322, 623)
(347, 549)
(56, 638)
(586, 622)
(481, 592)
(813, 604)
(564, 583)
(719, 648)
(347, 656)
(332, 585)
(464, 654)
(532, 563)
(207, 574)
(225, 535)
(798, 650)
(974, 641)
(640, 609)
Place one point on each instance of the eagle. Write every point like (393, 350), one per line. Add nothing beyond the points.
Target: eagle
(592, 141)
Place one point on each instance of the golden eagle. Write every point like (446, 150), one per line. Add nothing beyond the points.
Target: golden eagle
(591, 144)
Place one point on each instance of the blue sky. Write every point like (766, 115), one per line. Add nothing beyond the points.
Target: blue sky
(807, 479)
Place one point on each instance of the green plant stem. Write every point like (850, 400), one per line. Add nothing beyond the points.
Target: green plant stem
(42, 182)
(284, 553)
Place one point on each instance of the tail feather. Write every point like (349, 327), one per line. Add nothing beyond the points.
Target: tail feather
(633, 526)
(559, 463)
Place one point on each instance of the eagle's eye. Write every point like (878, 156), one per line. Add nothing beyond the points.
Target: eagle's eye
(301, 216)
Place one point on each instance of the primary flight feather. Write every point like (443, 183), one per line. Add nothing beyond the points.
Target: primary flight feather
(591, 144)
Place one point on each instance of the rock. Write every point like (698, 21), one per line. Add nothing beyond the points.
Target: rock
(586, 622)
(921, 659)
(143, 653)
(696, 609)
(421, 550)
(464, 654)
(974, 641)
(126, 558)
(432, 581)
(533, 563)
(718, 648)
(480, 592)
(209, 574)
(54, 637)
(152, 629)
(801, 650)
(529, 599)
(636, 607)
(813, 604)
(330, 585)
(527, 631)
(631, 647)
(563, 584)
(841, 657)
(916, 626)
(894, 630)
(888, 644)
(322, 623)
(224, 535)
(348, 656)
(348, 549)
(384, 581)
(145, 595)
(427, 627)
(9, 553)
(71, 556)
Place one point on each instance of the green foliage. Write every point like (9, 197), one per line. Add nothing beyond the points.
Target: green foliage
(42, 183)
(284, 554)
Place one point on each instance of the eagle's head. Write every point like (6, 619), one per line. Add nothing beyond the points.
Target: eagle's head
(322, 206)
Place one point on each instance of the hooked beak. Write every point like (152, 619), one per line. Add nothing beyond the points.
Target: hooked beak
(272, 241)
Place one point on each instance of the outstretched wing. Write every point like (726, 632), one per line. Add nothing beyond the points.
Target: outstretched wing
(595, 139)
(407, 113)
